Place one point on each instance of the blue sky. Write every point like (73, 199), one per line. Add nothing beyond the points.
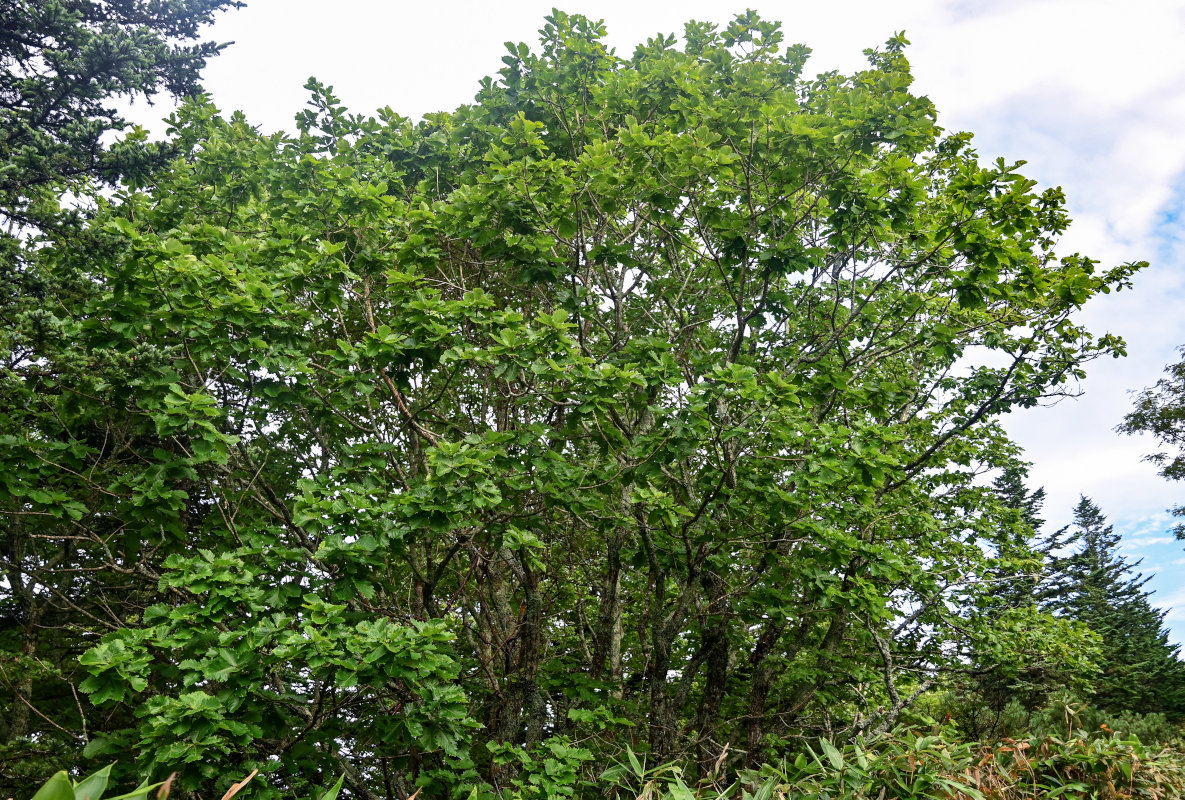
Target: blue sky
(1092, 95)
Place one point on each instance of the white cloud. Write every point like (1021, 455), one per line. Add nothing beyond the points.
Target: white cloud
(1149, 541)
(1175, 603)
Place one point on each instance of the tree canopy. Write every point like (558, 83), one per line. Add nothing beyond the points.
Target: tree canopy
(1160, 410)
(642, 402)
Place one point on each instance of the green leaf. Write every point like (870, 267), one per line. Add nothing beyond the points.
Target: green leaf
(634, 763)
(332, 793)
(567, 227)
(832, 753)
(93, 786)
(139, 792)
(56, 788)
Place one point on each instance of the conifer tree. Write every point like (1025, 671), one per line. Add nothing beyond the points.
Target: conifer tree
(62, 65)
(1018, 584)
(1011, 488)
(1096, 585)
(998, 676)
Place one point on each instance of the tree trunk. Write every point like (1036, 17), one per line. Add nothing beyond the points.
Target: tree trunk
(606, 656)
(715, 681)
(759, 684)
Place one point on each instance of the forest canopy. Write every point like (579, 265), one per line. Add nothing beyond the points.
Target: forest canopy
(645, 402)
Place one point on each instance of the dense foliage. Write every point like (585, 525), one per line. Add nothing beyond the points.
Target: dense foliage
(96, 786)
(63, 64)
(642, 405)
(65, 68)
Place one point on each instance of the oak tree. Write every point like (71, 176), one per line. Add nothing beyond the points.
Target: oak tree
(642, 402)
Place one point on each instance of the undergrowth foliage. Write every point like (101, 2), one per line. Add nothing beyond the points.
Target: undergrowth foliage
(913, 766)
(900, 766)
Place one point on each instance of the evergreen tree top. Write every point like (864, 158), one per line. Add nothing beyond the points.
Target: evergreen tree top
(1097, 585)
(62, 63)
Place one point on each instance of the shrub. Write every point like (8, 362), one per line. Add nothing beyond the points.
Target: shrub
(912, 766)
(94, 787)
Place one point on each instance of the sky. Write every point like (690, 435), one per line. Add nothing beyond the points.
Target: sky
(1089, 93)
